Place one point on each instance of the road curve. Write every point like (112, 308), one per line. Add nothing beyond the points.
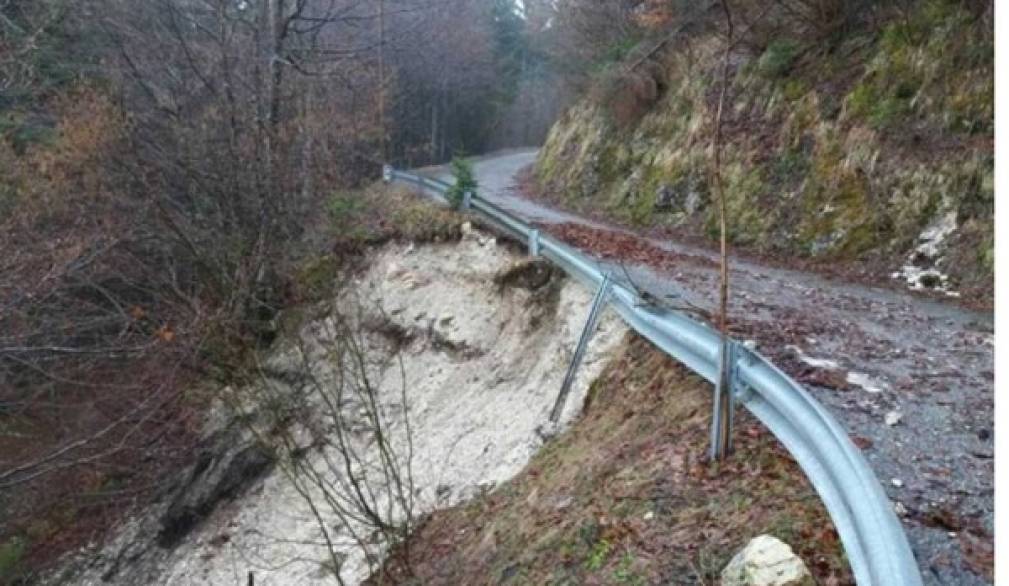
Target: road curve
(911, 378)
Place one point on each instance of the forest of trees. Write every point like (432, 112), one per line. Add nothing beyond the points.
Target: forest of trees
(164, 163)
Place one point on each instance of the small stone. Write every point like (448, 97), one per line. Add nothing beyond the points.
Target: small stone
(649, 515)
(861, 442)
(929, 280)
(546, 431)
(766, 561)
(900, 509)
(665, 197)
(693, 202)
(897, 482)
(867, 383)
(893, 418)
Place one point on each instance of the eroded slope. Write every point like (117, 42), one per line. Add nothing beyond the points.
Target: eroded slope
(480, 337)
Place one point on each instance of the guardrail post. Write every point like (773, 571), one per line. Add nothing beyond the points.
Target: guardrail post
(722, 405)
(602, 295)
(534, 242)
(387, 173)
(467, 200)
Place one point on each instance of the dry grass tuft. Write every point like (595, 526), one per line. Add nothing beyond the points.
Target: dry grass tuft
(626, 496)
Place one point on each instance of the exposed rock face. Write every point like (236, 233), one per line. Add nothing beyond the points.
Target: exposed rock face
(228, 463)
(925, 264)
(665, 197)
(766, 561)
(683, 196)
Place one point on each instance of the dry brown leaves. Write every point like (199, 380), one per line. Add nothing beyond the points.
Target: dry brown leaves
(621, 246)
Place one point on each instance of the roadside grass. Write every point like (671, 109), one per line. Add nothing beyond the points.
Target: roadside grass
(626, 496)
(361, 219)
(379, 213)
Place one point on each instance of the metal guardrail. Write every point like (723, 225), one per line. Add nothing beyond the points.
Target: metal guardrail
(874, 541)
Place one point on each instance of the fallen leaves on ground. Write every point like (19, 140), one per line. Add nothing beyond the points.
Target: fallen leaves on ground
(622, 246)
(627, 495)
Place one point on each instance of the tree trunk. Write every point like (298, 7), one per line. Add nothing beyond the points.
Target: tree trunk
(722, 436)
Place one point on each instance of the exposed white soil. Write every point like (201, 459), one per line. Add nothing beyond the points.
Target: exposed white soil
(482, 364)
(922, 269)
(824, 363)
(866, 382)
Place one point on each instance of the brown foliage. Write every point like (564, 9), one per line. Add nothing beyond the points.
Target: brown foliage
(90, 398)
(145, 245)
(631, 95)
(152, 239)
(623, 246)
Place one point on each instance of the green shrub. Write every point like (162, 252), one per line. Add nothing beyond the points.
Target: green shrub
(462, 170)
(794, 89)
(316, 277)
(348, 214)
(778, 58)
(876, 107)
(618, 50)
(599, 554)
(934, 64)
(861, 99)
(790, 165)
(10, 558)
(888, 111)
(986, 255)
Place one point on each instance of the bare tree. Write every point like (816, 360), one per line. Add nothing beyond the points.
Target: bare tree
(342, 440)
(184, 149)
(722, 401)
(162, 213)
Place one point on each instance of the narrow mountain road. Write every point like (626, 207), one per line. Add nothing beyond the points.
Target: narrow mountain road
(912, 379)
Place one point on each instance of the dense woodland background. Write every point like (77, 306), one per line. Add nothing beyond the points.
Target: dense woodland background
(167, 165)
(164, 168)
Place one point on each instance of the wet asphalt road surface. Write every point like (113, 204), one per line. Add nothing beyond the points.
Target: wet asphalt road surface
(911, 378)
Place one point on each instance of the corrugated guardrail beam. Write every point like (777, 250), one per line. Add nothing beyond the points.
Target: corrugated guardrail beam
(873, 539)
